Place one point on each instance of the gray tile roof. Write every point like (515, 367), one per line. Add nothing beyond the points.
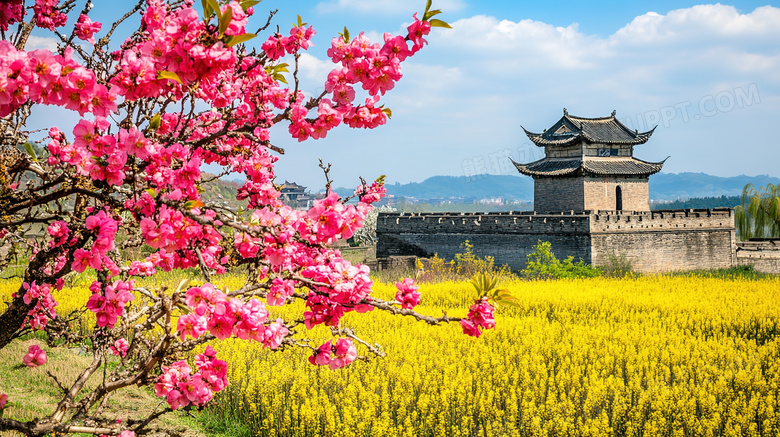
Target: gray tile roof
(617, 166)
(604, 130)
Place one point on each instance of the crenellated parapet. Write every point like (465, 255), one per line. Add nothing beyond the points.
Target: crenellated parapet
(484, 223)
(662, 220)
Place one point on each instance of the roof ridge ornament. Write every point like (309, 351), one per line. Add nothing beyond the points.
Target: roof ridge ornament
(565, 112)
(614, 111)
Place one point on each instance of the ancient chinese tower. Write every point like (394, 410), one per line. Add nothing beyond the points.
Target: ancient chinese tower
(589, 165)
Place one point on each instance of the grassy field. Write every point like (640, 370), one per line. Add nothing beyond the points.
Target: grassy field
(690, 355)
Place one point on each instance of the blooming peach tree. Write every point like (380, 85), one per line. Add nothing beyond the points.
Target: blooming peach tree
(184, 90)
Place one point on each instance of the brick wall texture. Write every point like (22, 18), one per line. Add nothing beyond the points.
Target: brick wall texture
(590, 193)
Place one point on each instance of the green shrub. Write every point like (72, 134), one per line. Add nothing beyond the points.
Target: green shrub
(542, 264)
(618, 266)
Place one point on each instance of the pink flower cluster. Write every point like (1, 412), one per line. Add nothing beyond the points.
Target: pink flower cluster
(330, 220)
(42, 77)
(104, 228)
(375, 67)
(47, 15)
(38, 317)
(181, 388)
(34, 357)
(108, 301)
(179, 42)
(120, 348)
(407, 294)
(372, 193)
(11, 12)
(213, 311)
(239, 19)
(59, 232)
(480, 316)
(3, 400)
(277, 45)
(335, 356)
(86, 29)
(348, 289)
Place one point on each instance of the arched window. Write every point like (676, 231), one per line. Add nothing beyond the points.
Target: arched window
(618, 198)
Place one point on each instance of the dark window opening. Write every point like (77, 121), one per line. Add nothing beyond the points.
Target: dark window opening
(618, 199)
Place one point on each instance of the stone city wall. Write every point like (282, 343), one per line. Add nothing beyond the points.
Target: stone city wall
(507, 237)
(663, 241)
(763, 255)
(656, 241)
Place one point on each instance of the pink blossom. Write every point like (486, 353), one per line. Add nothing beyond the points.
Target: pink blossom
(279, 291)
(335, 356)
(85, 29)
(407, 294)
(3, 400)
(480, 315)
(11, 11)
(469, 328)
(191, 324)
(47, 14)
(176, 399)
(238, 22)
(274, 334)
(417, 30)
(59, 232)
(35, 356)
(321, 356)
(120, 348)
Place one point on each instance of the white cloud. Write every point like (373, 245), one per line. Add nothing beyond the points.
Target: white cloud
(385, 6)
(704, 23)
(37, 42)
(314, 69)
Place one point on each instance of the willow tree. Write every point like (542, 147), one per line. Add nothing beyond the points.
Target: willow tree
(759, 214)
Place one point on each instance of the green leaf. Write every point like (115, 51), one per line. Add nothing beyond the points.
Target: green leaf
(182, 284)
(152, 192)
(388, 112)
(246, 4)
(31, 151)
(345, 35)
(428, 6)
(433, 13)
(213, 9)
(207, 12)
(183, 308)
(238, 39)
(300, 22)
(224, 21)
(165, 74)
(438, 23)
(155, 122)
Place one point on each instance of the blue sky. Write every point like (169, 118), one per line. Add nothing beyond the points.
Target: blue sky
(707, 74)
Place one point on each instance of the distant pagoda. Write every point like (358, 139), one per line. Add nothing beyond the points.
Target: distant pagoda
(589, 164)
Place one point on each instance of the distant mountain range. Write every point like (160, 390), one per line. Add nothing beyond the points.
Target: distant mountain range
(663, 187)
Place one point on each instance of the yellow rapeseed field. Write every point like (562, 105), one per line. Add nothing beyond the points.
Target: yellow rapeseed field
(676, 356)
(647, 357)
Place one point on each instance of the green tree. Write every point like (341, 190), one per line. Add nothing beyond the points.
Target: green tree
(759, 214)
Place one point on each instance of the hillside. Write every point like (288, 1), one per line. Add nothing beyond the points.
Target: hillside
(663, 187)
